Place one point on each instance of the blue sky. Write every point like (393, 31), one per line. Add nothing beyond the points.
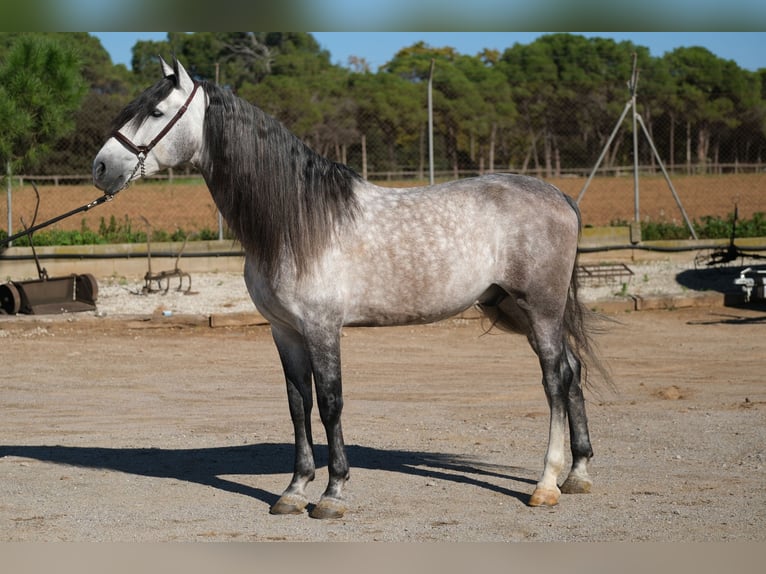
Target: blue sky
(748, 49)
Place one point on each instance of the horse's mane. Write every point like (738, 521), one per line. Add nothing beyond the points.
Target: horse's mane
(278, 196)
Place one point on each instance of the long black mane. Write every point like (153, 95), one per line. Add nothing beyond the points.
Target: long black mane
(278, 196)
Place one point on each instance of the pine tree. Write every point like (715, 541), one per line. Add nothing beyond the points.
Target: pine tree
(40, 88)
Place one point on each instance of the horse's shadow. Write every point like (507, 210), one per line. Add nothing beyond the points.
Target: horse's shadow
(206, 466)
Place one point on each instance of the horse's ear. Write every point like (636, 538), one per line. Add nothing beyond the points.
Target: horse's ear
(184, 79)
(167, 70)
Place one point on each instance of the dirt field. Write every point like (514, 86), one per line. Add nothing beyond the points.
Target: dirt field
(190, 207)
(128, 431)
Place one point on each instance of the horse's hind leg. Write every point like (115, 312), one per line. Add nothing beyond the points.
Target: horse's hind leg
(547, 492)
(297, 369)
(561, 379)
(546, 338)
(578, 480)
(545, 332)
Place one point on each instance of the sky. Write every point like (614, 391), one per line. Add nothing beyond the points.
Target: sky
(747, 49)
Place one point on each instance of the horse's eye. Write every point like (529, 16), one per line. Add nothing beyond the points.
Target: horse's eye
(156, 114)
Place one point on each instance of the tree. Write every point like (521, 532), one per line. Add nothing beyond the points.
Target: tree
(390, 111)
(456, 100)
(714, 95)
(40, 88)
(569, 90)
(286, 98)
(109, 88)
(532, 74)
(497, 112)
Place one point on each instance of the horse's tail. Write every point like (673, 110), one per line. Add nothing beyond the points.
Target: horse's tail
(580, 322)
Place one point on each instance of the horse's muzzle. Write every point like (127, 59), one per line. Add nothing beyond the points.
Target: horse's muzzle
(110, 185)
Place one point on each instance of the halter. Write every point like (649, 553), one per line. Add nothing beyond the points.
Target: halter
(141, 151)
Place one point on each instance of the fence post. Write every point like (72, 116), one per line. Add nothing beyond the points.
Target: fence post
(8, 196)
(431, 124)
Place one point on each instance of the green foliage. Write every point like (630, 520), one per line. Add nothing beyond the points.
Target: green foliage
(710, 227)
(99, 90)
(543, 106)
(116, 231)
(654, 231)
(40, 87)
(113, 231)
(122, 232)
(755, 227)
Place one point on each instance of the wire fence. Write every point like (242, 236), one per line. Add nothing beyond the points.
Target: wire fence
(728, 173)
(184, 207)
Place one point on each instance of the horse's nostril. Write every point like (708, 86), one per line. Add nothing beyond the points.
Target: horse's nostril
(99, 169)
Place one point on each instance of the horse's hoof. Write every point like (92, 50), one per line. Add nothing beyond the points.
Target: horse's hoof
(544, 497)
(576, 485)
(328, 508)
(289, 504)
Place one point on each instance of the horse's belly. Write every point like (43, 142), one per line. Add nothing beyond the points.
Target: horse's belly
(415, 282)
(371, 316)
(400, 302)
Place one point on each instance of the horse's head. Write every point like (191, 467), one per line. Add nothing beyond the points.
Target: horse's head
(161, 128)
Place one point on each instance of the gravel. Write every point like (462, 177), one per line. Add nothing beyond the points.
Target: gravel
(216, 293)
(210, 293)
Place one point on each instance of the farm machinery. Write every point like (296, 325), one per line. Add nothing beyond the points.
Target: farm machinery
(751, 279)
(753, 283)
(48, 295)
(722, 256)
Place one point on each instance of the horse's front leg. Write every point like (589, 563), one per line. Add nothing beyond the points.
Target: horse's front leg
(324, 349)
(297, 368)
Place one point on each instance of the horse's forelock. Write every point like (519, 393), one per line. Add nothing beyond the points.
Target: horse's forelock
(141, 107)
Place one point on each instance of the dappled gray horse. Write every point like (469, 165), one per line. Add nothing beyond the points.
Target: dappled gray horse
(325, 248)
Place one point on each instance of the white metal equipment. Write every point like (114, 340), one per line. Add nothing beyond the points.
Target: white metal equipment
(753, 283)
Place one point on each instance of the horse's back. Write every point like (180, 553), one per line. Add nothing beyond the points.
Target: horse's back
(498, 211)
(515, 196)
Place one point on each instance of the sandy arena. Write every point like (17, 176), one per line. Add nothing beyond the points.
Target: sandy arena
(132, 425)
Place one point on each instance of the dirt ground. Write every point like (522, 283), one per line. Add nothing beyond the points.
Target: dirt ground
(117, 430)
(189, 206)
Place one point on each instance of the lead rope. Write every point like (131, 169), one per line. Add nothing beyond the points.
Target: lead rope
(103, 199)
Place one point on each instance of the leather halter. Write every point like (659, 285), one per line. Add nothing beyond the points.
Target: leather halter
(142, 150)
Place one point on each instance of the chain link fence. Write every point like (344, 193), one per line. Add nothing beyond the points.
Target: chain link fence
(175, 205)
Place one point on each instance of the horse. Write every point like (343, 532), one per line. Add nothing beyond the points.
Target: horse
(325, 248)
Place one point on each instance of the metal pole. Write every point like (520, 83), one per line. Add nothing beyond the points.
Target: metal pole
(220, 217)
(603, 151)
(667, 179)
(633, 86)
(8, 200)
(431, 124)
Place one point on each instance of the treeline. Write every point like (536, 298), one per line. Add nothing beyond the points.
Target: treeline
(547, 106)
